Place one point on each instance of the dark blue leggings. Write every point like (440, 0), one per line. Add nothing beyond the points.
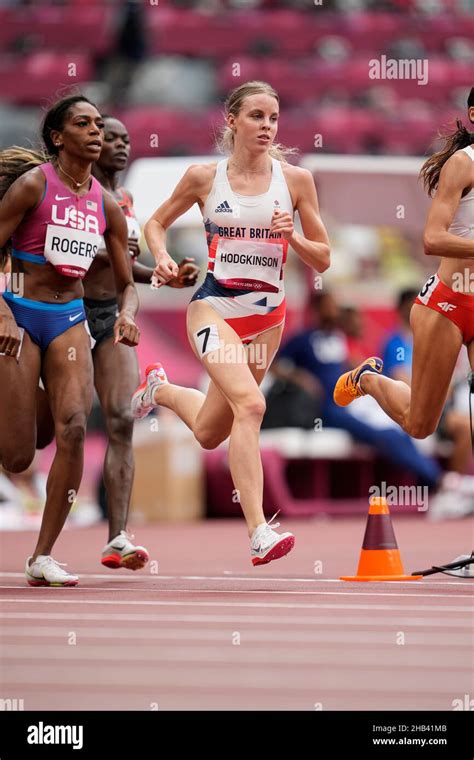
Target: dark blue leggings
(392, 443)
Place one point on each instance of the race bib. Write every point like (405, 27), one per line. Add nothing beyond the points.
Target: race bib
(70, 251)
(427, 290)
(134, 233)
(248, 265)
(133, 227)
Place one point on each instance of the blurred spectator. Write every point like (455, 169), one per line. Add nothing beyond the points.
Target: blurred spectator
(314, 359)
(130, 50)
(352, 324)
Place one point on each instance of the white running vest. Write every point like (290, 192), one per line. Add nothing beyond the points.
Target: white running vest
(463, 221)
(243, 254)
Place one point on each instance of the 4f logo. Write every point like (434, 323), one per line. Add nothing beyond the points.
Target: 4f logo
(445, 306)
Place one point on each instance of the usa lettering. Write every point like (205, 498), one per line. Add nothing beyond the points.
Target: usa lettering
(75, 219)
(42, 734)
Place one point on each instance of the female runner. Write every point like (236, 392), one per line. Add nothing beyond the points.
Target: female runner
(248, 202)
(55, 215)
(442, 317)
(116, 373)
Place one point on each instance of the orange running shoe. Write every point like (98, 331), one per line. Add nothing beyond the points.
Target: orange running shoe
(348, 387)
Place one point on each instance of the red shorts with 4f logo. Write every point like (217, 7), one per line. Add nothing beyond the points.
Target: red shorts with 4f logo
(457, 307)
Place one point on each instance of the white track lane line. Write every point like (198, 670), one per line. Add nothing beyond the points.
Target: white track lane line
(156, 588)
(196, 680)
(270, 579)
(424, 639)
(273, 592)
(259, 605)
(367, 621)
(415, 660)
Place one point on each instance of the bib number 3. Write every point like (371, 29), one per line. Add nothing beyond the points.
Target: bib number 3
(428, 288)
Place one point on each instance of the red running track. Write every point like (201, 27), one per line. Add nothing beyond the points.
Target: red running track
(203, 629)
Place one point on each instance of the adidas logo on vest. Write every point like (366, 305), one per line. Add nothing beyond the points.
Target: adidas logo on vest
(223, 208)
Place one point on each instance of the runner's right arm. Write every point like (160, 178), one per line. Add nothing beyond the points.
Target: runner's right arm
(23, 195)
(185, 195)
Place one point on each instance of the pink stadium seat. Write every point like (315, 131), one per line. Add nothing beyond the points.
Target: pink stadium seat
(65, 28)
(91, 23)
(7, 31)
(179, 32)
(174, 31)
(41, 76)
(177, 130)
(373, 31)
(289, 32)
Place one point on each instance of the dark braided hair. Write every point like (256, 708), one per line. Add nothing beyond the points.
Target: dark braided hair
(15, 161)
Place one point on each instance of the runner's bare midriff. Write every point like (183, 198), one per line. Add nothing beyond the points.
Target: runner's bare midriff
(100, 283)
(458, 274)
(41, 282)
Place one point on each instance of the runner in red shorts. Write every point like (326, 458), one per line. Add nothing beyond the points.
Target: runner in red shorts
(442, 317)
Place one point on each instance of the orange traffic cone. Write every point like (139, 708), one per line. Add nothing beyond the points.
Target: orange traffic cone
(379, 557)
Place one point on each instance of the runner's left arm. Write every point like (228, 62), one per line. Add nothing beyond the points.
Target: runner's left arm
(313, 246)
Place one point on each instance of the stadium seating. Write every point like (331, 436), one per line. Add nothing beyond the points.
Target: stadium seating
(315, 57)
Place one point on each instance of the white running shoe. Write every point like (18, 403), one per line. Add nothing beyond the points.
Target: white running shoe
(266, 544)
(120, 552)
(454, 481)
(45, 571)
(449, 505)
(142, 399)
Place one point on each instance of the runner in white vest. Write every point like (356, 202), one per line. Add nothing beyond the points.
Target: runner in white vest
(236, 318)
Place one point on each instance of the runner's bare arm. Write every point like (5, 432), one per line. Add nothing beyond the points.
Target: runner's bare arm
(115, 237)
(20, 197)
(23, 195)
(141, 273)
(313, 246)
(186, 193)
(188, 273)
(455, 177)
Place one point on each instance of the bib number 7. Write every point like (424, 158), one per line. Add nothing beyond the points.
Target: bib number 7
(206, 339)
